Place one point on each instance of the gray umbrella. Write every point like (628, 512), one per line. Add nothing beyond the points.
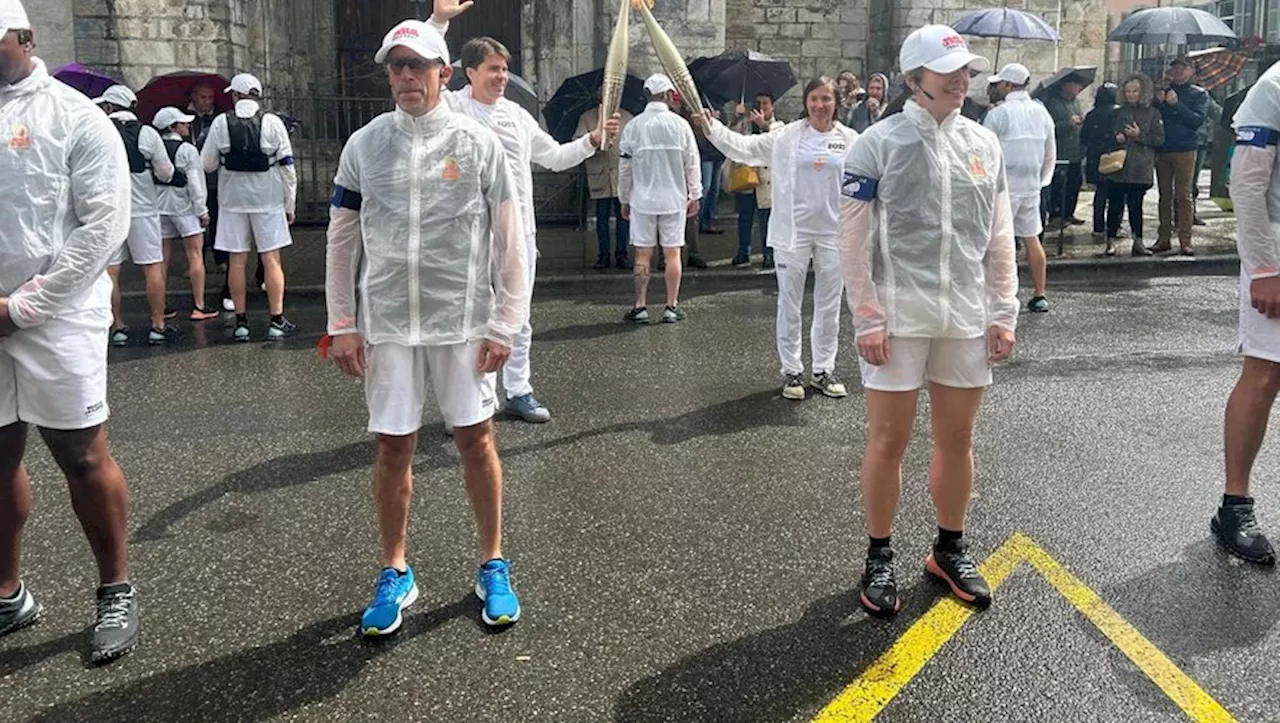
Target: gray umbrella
(1178, 26)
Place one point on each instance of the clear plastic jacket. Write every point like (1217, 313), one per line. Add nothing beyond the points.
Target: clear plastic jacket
(926, 230)
(66, 199)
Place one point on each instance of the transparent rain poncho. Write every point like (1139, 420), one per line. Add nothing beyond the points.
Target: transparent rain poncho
(1255, 178)
(65, 199)
(1025, 130)
(926, 232)
(424, 208)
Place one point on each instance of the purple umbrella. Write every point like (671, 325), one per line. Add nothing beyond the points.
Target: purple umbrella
(86, 80)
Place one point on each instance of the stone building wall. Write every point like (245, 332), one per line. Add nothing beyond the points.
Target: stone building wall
(55, 32)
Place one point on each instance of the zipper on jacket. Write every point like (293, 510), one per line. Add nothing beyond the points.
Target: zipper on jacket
(415, 236)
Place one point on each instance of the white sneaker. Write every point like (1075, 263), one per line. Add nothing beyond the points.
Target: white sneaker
(229, 305)
(827, 383)
(793, 387)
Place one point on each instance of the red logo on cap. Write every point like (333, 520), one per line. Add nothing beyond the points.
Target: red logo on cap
(951, 42)
(405, 33)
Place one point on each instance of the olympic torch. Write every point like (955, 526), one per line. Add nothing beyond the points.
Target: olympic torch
(670, 59)
(615, 68)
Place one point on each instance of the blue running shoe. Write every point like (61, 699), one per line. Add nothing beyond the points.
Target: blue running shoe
(493, 586)
(394, 593)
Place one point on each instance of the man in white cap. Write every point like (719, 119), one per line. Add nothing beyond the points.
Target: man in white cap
(148, 163)
(485, 61)
(1026, 133)
(257, 192)
(426, 218)
(927, 246)
(183, 211)
(55, 312)
(659, 185)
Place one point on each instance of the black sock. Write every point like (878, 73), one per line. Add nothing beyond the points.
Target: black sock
(948, 537)
(1233, 500)
(277, 318)
(242, 319)
(878, 542)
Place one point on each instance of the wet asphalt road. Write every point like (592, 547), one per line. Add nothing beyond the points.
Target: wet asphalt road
(685, 541)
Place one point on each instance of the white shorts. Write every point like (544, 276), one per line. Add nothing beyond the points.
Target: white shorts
(1259, 336)
(267, 232)
(145, 243)
(1026, 216)
(180, 227)
(960, 363)
(648, 230)
(55, 375)
(398, 378)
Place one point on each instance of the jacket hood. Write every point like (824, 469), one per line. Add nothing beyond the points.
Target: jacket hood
(1106, 95)
(1148, 89)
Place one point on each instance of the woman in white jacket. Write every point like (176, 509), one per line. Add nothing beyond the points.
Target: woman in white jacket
(806, 158)
(926, 240)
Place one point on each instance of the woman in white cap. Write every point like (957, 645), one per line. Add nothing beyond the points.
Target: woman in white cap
(805, 157)
(926, 240)
(182, 203)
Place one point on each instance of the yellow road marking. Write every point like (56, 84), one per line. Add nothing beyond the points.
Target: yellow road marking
(884, 678)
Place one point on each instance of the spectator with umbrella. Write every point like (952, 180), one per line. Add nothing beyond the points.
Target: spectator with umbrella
(805, 157)
(602, 186)
(485, 62)
(1184, 107)
(1060, 97)
(91, 82)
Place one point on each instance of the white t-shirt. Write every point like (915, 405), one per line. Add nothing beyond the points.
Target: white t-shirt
(819, 165)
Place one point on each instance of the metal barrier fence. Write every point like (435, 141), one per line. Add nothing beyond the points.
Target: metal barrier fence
(321, 126)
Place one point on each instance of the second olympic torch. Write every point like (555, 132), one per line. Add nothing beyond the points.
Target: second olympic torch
(670, 58)
(615, 68)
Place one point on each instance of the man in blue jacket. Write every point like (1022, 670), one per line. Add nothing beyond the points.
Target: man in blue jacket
(1183, 106)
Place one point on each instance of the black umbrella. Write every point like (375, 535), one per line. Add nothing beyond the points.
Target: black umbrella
(741, 74)
(1174, 25)
(581, 93)
(518, 89)
(1082, 74)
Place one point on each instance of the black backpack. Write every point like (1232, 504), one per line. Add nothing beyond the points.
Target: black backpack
(130, 130)
(245, 154)
(179, 179)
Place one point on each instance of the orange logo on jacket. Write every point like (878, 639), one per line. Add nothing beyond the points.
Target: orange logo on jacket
(976, 169)
(451, 172)
(21, 139)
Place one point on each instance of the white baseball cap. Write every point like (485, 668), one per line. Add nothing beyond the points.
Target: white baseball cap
(940, 49)
(117, 95)
(13, 16)
(167, 116)
(658, 83)
(244, 84)
(1015, 73)
(416, 36)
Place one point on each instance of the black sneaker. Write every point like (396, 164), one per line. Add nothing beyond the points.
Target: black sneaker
(696, 262)
(281, 329)
(740, 260)
(19, 611)
(156, 337)
(879, 587)
(624, 263)
(602, 264)
(954, 566)
(638, 315)
(1238, 533)
(116, 632)
(768, 262)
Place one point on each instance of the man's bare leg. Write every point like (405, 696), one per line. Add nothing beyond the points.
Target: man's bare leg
(117, 320)
(672, 274)
(640, 273)
(483, 475)
(273, 271)
(194, 248)
(1038, 263)
(15, 504)
(99, 495)
(392, 495)
(1248, 411)
(236, 280)
(154, 274)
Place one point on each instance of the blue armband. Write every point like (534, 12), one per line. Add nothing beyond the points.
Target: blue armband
(859, 188)
(346, 198)
(1256, 136)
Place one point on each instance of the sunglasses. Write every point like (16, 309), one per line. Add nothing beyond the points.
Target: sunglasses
(414, 64)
